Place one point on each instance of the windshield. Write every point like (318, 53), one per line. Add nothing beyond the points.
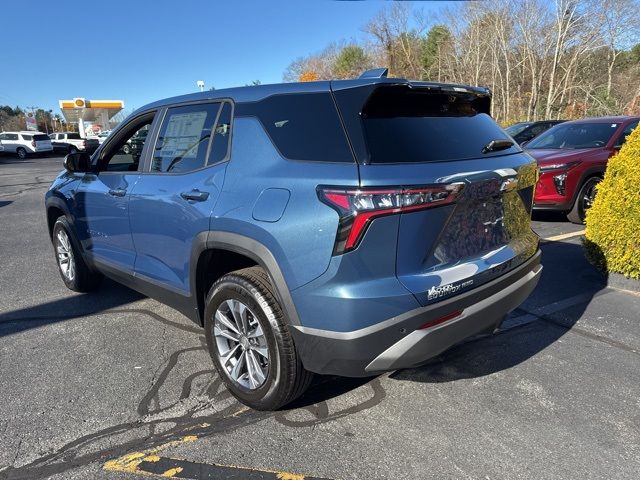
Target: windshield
(575, 135)
(516, 128)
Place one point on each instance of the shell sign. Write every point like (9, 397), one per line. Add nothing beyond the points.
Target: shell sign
(79, 102)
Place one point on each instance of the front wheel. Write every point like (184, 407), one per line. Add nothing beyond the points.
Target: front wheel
(249, 342)
(75, 273)
(584, 200)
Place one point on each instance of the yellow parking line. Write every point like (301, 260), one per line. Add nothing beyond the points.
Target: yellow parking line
(564, 236)
(131, 461)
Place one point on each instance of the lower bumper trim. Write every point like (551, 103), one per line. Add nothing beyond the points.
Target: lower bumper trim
(399, 343)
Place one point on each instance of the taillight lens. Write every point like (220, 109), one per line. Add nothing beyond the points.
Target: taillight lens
(358, 207)
(33, 143)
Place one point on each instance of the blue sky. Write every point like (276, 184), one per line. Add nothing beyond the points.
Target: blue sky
(140, 51)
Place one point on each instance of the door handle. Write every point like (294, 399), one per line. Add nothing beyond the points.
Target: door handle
(195, 195)
(118, 192)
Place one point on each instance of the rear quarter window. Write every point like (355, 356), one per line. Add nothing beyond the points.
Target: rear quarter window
(28, 138)
(73, 136)
(302, 126)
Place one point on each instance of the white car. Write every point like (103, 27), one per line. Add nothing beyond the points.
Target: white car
(102, 136)
(25, 143)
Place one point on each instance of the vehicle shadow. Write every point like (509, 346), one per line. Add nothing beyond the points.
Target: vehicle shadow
(549, 216)
(568, 285)
(109, 295)
(4, 203)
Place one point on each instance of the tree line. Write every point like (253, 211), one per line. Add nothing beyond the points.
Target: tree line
(14, 119)
(542, 60)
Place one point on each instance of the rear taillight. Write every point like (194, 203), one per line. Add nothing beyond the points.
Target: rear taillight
(33, 143)
(357, 207)
(84, 143)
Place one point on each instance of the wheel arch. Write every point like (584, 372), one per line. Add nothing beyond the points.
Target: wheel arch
(596, 171)
(217, 253)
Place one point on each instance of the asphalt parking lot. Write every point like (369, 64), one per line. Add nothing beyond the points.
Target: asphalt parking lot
(112, 384)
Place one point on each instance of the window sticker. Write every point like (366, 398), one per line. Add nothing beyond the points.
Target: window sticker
(182, 135)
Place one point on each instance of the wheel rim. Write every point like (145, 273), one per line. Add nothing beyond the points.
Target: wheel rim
(589, 195)
(241, 344)
(21, 153)
(65, 255)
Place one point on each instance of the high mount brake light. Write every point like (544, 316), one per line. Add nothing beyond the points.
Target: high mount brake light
(358, 207)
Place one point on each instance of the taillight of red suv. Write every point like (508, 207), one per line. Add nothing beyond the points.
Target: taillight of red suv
(358, 207)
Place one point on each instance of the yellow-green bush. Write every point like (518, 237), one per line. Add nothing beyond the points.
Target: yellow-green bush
(613, 222)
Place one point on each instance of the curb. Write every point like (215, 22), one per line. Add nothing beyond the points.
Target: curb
(617, 280)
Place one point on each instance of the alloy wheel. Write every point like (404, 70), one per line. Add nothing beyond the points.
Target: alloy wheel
(65, 255)
(241, 344)
(589, 195)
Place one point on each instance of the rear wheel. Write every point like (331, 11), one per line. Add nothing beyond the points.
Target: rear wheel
(584, 200)
(22, 153)
(249, 341)
(74, 271)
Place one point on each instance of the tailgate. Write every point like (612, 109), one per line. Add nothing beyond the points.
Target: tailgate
(410, 135)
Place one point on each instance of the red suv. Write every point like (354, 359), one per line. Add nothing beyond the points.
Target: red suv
(572, 158)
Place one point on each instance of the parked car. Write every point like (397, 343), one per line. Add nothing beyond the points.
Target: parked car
(72, 142)
(523, 132)
(136, 143)
(24, 143)
(340, 227)
(102, 136)
(573, 157)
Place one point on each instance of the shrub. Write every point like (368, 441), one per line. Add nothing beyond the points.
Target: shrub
(613, 222)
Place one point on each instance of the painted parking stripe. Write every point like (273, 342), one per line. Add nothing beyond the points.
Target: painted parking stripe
(150, 463)
(174, 468)
(564, 236)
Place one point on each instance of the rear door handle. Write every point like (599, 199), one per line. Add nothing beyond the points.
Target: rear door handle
(195, 195)
(118, 192)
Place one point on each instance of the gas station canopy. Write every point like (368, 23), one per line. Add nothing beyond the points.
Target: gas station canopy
(80, 110)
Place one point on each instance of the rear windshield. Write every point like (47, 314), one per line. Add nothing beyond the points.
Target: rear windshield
(575, 135)
(302, 126)
(405, 126)
(40, 137)
(516, 129)
(73, 136)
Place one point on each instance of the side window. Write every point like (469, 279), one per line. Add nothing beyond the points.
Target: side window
(2, 136)
(123, 155)
(302, 126)
(184, 138)
(221, 136)
(627, 131)
(52, 136)
(12, 136)
(27, 138)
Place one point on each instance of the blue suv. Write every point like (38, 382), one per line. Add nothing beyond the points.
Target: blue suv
(339, 227)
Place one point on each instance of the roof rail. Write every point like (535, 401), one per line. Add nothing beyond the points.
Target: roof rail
(375, 73)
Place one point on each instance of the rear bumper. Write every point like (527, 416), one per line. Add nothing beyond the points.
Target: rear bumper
(398, 342)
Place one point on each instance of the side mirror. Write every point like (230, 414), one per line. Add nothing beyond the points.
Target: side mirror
(77, 162)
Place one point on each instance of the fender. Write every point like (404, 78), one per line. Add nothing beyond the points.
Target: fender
(252, 249)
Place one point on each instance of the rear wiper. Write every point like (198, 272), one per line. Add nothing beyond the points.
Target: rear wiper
(495, 145)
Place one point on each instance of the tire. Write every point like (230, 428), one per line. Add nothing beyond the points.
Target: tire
(22, 153)
(75, 273)
(279, 378)
(73, 149)
(584, 199)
